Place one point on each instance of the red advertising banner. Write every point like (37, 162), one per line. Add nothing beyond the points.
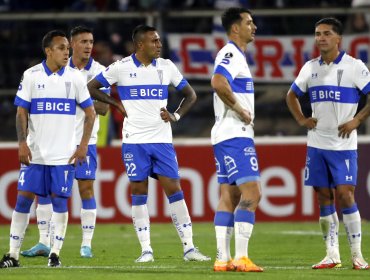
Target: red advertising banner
(270, 58)
(284, 196)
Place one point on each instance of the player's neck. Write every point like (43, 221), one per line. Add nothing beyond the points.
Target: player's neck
(143, 59)
(330, 56)
(53, 67)
(241, 45)
(80, 63)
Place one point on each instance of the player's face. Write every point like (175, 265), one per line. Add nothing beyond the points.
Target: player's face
(82, 45)
(152, 45)
(247, 29)
(326, 39)
(58, 51)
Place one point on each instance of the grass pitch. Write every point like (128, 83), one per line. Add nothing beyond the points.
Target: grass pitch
(285, 250)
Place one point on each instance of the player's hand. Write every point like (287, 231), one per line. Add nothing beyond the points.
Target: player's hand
(309, 123)
(24, 153)
(167, 116)
(245, 116)
(79, 156)
(346, 128)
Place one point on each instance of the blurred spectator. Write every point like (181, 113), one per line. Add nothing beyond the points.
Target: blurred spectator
(356, 23)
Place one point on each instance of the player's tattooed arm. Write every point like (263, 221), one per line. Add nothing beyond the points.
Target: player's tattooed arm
(21, 123)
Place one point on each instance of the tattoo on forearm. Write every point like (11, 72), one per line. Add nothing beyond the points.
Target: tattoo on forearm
(21, 126)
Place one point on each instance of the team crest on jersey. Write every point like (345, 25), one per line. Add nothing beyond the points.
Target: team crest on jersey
(339, 76)
(229, 55)
(68, 88)
(160, 75)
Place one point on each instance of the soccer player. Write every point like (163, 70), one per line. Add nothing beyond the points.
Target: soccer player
(45, 121)
(334, 82)
(233, 145)
(82, 41)
(142, 81)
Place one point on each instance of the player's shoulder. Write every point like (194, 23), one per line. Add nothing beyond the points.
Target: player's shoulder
(97, 66)
(164, 62)
(38, 68)
(350, 59)
(230, 51)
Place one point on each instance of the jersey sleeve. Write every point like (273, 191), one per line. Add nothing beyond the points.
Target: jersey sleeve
(177, 79)
(361, 77)
(300, 84)
(227, 64)
(82, 95)
(109, 76)
(23, 96)
(106, 90)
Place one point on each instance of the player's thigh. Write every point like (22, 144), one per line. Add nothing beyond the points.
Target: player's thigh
(229, 197)
(87, 170)
(343, 166)
(137, 161)
(32, 179)
(62, 177)
(164, 161)
(317, 173)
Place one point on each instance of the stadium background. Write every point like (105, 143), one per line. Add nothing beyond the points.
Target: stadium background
(191, 36)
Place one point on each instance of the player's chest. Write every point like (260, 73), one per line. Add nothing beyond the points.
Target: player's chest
(334, 76)
(53, 86)
(144, 76)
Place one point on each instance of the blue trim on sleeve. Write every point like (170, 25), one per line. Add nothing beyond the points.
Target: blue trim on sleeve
(87, 103)
(183, 83)
(297, 90)
(22, 103)
(222, 71)
(101, 79)
(366, 89)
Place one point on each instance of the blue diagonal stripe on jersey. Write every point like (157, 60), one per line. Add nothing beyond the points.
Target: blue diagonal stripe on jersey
(61, 106)
(334, 94)
(137, 92)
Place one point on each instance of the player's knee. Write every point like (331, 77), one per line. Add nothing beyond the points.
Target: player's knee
(60, 204)
(87, 193)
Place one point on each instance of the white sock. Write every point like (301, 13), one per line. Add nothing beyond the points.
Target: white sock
(140, 219)
(88, 220)
(181, 220)
(17, 230)
(329, 227)
(243, 232)
(59, 224)
(43, 214)
(223, 238)
(352, 223)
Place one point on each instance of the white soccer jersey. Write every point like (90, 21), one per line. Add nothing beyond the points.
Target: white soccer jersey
(334, 92)
(143, 91)
(232, 64)
(92, 69)
(51, 100)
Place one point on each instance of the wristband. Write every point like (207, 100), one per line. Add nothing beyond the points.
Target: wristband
(177, 116)
(237, 107)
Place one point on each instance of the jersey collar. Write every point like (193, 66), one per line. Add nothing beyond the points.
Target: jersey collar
(87, 67)
(236, 46)
(49, 72)
(138, 63)
(336, 61)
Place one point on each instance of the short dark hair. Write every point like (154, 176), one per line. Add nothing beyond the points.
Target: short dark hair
(80, 29)
(48, 38)
(140, 30)
(231, 16)
(335, 24)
